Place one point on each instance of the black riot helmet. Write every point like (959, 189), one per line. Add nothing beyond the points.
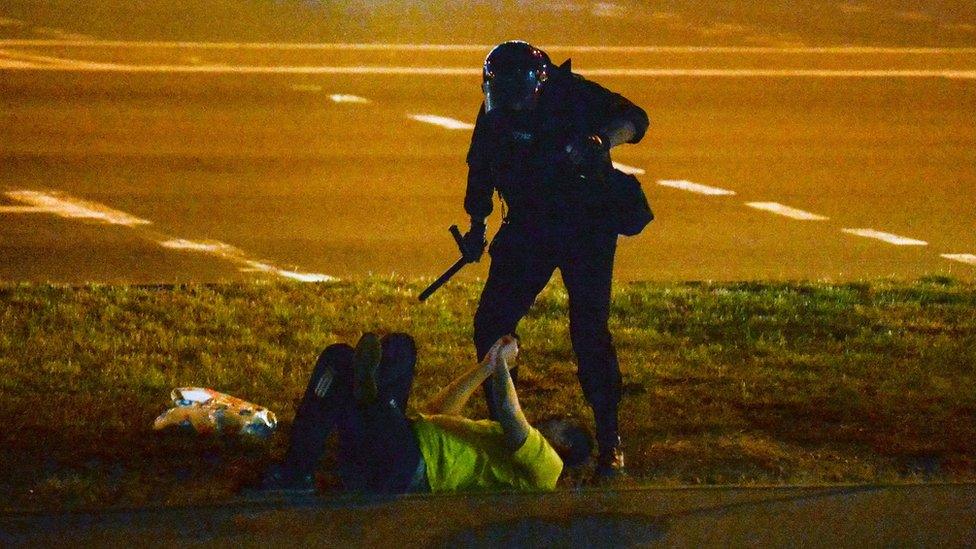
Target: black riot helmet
(514, 74)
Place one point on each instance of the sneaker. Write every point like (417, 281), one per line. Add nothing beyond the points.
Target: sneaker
(610, 466)
(366, 360)
(280, 481)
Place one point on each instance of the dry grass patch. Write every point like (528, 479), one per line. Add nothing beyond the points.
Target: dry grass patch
(752, 383)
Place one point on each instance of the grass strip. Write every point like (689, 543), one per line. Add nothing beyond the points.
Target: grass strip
(748, 383)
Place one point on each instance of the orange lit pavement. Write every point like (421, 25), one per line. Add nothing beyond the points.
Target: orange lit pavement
(764, 160)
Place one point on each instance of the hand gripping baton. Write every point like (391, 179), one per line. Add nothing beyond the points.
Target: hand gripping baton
(458, 265)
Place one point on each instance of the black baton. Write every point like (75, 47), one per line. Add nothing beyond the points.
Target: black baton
(458, 265)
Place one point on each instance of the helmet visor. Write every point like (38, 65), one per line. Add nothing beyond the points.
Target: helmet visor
(515, 91)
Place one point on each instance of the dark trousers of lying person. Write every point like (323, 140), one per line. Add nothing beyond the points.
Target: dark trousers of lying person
(378, 451)
(362, 393)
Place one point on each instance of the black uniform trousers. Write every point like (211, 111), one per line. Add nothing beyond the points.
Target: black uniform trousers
(523, 259)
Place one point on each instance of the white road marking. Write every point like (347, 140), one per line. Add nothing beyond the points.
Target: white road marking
(294, 275)
(786, 73)
(41, 62)
(346, 98)
(24, 209)
(886, 237)
(608, 9)
(969, 259)
(306, 88)
(442, 121)
(335, 97)
(694, 187)
(483, 48)
(209, 246)
(73, 208)
(70, 65)
(629, 169)
(235, 255)
(780, 209)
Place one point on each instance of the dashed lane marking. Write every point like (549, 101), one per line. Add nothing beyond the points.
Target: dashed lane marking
(694, 187)
(442, 121)
(969, 259)
(886, 237)
(335, 97)
(629, 169)
(73, 208)
(454, 124)
(347, 98)
(780, 209)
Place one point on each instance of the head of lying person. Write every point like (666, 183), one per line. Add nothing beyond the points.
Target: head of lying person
(569, 438)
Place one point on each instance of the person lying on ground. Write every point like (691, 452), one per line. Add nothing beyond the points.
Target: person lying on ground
(362, 393)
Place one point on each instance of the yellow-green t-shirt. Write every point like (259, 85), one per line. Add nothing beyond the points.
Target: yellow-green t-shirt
(464, 454)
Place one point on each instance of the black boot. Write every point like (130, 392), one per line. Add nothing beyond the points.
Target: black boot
(610, 462)
(610, 465)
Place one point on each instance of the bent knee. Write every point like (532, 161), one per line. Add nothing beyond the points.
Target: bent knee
(399, 341)
(335, 351)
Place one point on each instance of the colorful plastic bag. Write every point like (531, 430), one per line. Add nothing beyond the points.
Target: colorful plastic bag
(205, 411)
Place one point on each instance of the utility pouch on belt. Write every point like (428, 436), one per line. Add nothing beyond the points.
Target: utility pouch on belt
(631, 210)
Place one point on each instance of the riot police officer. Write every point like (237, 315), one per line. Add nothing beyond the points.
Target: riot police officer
(542, 140)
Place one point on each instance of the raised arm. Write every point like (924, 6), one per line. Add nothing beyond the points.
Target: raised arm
(452, 398)
(611, 120)
(616, 119)
(510, 414)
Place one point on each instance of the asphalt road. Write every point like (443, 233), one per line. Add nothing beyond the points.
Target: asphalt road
(303, 160)
(841, 516)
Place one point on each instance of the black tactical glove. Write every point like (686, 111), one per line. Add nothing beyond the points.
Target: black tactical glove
(588, 152)
(473, 242)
